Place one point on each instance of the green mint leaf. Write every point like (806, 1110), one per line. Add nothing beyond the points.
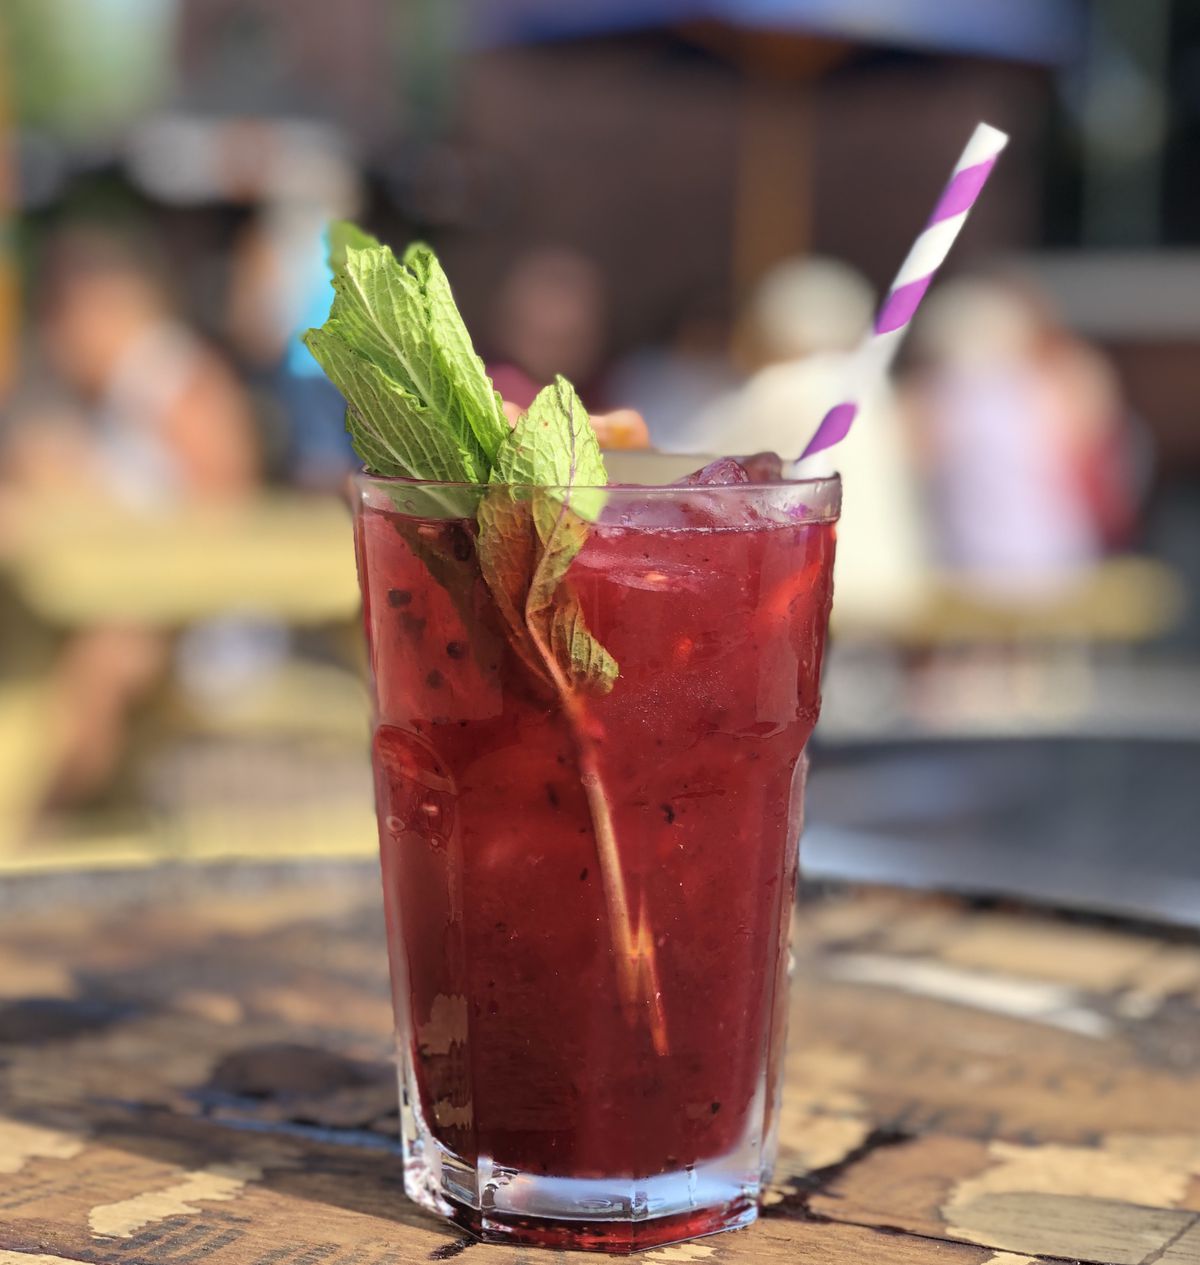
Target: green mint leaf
(480, 402)
(547, 484)
(393, 431)
(554, 446)
(420, 406)
(507, 547)
(419, 400)
(340, 235)
(587, 663)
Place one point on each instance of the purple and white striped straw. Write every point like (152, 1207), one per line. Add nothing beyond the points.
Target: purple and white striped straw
(878, 349)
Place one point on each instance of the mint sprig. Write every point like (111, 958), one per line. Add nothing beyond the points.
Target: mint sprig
(420, 406)
(546, 485)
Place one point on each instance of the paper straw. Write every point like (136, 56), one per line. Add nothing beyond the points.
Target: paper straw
(877, 351)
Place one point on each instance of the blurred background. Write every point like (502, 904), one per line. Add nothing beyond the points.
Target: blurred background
(688, 207)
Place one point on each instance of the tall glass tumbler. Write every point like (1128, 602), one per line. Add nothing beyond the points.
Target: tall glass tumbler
(588, 898)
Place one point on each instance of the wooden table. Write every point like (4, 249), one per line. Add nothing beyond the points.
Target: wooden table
(196, 1070)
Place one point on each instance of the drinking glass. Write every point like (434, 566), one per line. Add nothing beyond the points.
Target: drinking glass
(588, 895)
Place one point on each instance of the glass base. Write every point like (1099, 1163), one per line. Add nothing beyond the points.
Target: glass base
(584, 1214)
(501, 1204)
(603, 1236)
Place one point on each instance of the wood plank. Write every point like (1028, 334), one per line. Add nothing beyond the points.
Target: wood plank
(1105, 1231)
(1185, 1250)
(904, 1186)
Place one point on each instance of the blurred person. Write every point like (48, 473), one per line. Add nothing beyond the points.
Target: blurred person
(1022, 433)
(154, 420)
(550, 312)
(162, 417)
(280, 285)
(797, 338)
(672, 383)
(550, 317)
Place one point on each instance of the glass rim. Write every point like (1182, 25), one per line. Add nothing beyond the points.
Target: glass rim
(822, 485)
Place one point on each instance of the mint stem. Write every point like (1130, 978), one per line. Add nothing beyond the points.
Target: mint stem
(637, 968)
(610, 871)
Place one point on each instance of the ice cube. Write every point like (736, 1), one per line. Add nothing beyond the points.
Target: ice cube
(723, 471)
(762, 467)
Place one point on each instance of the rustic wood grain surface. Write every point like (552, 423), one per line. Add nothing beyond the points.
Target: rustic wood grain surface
(199, 1072)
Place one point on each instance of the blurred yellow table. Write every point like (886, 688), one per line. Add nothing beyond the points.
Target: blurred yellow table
(286, 557)
(1125, 599)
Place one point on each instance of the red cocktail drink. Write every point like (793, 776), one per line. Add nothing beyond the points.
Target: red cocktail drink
(588, 898)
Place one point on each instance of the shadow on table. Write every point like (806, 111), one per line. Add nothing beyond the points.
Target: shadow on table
(256, 1054)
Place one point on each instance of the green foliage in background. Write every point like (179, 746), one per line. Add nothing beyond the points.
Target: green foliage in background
(85, 68)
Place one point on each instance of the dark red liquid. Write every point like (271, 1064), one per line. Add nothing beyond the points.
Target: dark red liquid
(506, 986)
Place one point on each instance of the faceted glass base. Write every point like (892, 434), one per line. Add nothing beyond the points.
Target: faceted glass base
(618, 1214)
(604, 1236)
(587, 1214)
